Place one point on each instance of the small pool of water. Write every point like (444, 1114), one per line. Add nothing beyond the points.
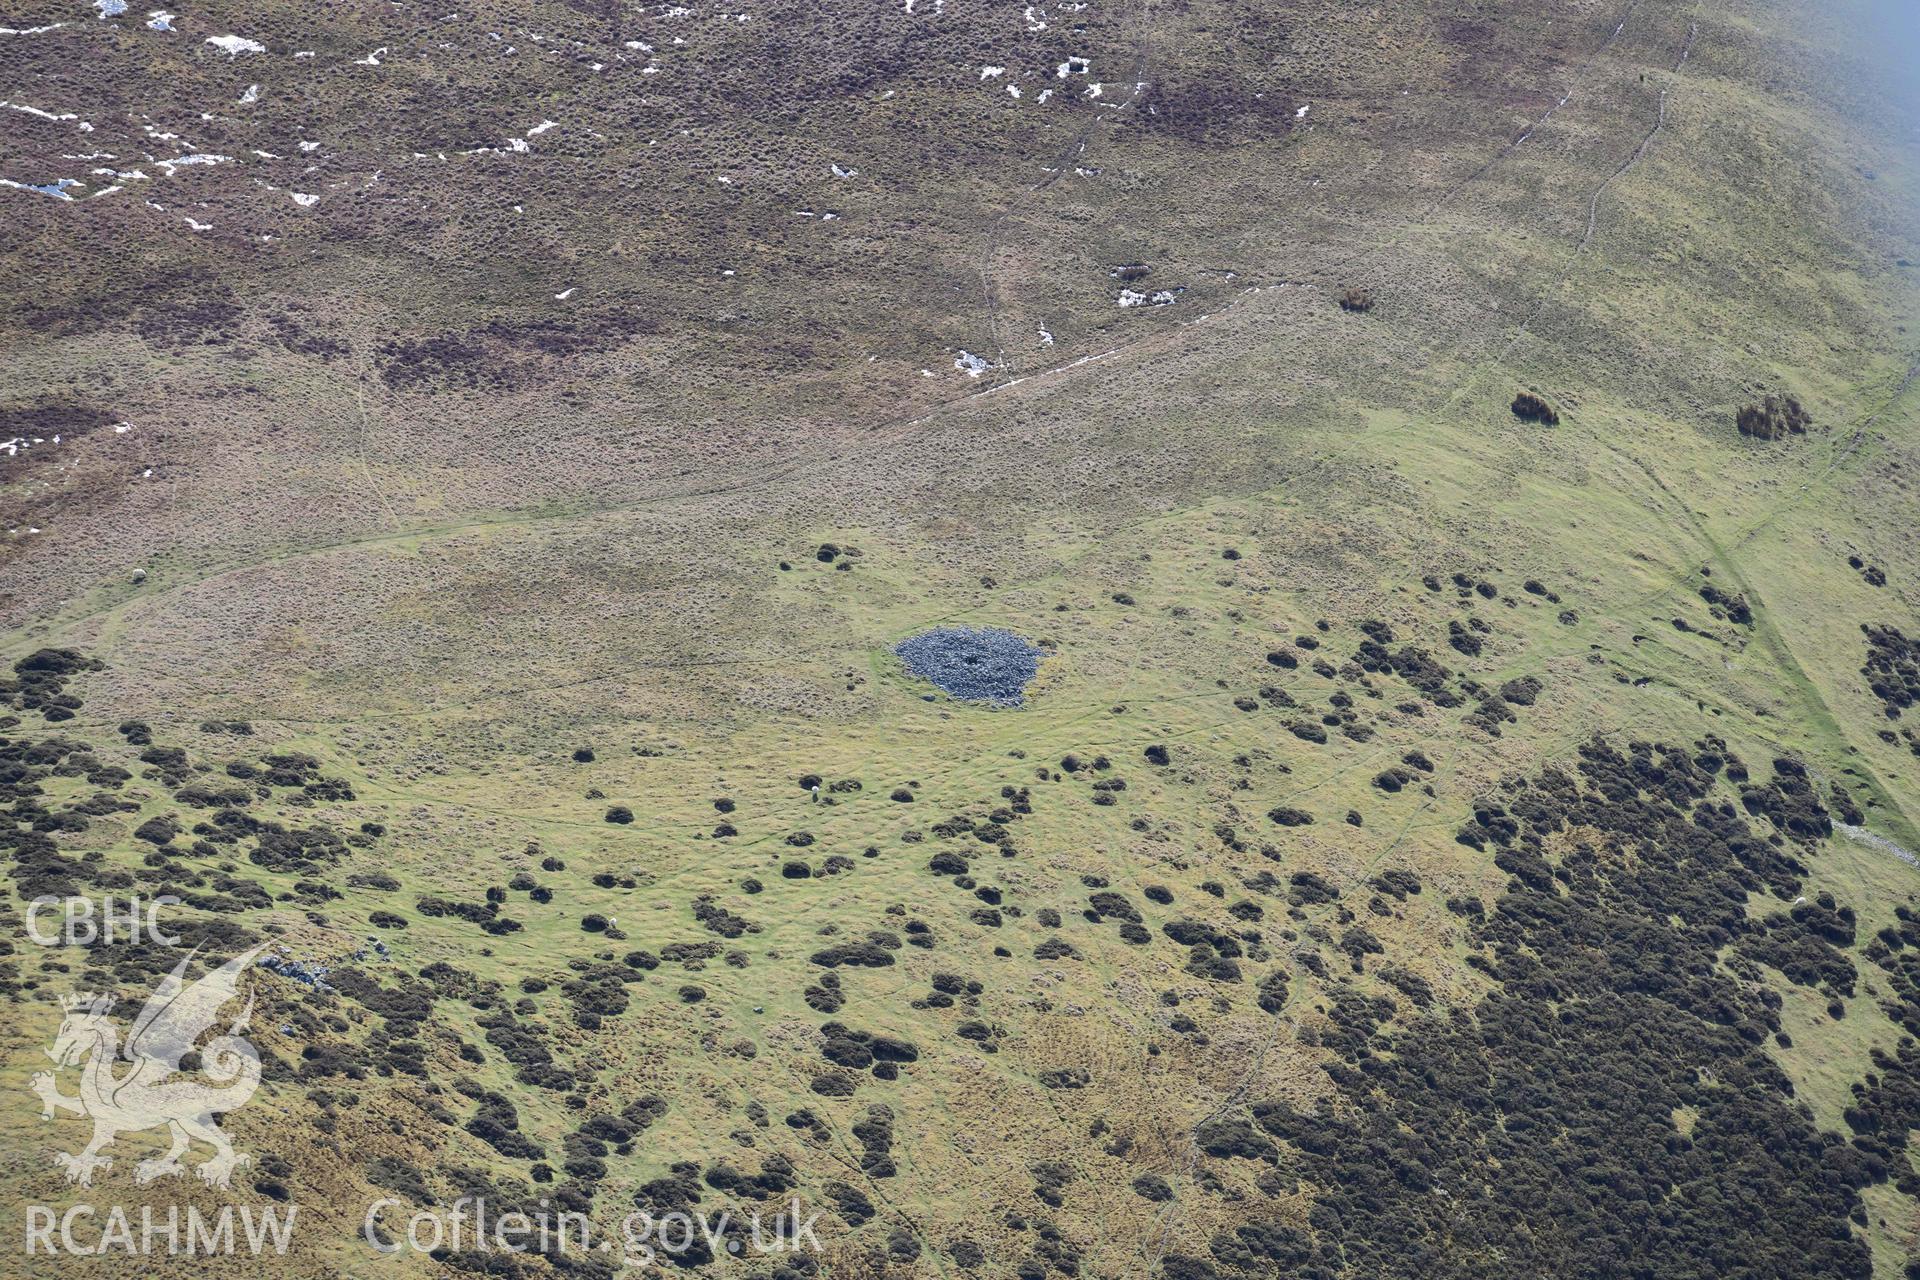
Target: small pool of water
(57, 188)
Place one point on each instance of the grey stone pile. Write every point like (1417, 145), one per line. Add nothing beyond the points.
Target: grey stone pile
(974, 664)
(309, 975)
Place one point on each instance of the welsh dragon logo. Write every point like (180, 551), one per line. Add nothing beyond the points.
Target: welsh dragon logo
(155, 1089)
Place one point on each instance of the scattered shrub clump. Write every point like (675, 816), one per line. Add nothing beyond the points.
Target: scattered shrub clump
(1529, 407)
(1892, 668)
(1774, 418)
